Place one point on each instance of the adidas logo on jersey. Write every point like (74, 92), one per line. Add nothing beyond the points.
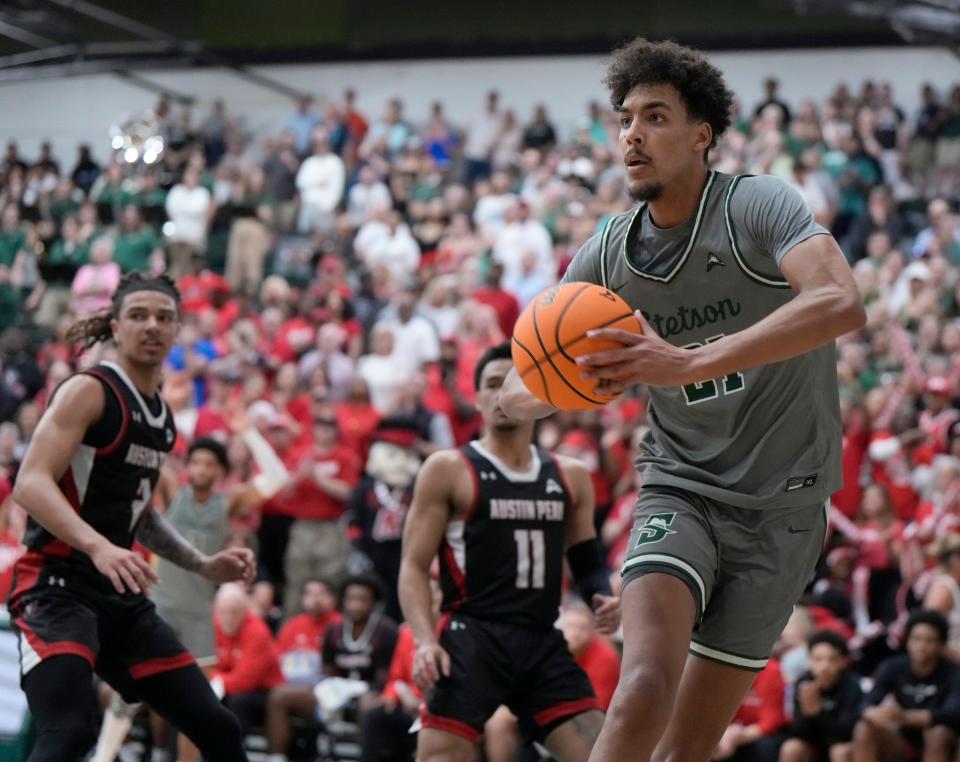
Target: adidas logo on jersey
(714, 261)
(552, 486)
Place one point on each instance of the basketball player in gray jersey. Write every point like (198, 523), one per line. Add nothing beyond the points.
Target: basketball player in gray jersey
(740, 295)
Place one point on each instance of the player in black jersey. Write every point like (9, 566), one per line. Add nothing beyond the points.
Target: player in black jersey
(78, 600)
(500, 513)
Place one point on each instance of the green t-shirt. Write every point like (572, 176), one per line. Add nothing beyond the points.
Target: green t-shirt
(10, 245)
(132, 250)
(115, 195)
(9, 306)
(61, 254)
(61, 207)
(156, 197)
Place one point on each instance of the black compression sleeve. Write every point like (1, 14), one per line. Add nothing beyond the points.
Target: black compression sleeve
(589, 571)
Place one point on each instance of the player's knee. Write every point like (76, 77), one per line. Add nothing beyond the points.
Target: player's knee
(644, 690)
(793, 750)
(841, 752)
(939, 738)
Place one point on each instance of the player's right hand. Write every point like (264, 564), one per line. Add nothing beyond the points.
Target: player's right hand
(126, 570)
(430, 662)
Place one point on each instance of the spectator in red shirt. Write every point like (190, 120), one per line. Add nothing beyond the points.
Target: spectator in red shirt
(247, 664)
(595, 655)
(325, 476)
(503, 302)
(197, 288)
(301, 638)
(213, 413)
(357, 419)
(278, 513)
(756, 733)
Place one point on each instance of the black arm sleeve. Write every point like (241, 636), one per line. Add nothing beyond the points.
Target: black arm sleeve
(589, 572)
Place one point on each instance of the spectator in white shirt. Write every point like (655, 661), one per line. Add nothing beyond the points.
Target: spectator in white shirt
(520, 237)
(386, 241)
(480, 139)
(380, 370)
(368, 194)
(415, 338)
(320, 184)
(491, 209)
(189, 208)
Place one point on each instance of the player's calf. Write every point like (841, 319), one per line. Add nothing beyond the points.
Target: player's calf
(939, 744)
(574, 739)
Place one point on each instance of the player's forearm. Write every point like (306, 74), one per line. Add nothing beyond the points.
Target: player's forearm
(808, 321)
(40, 496)
(155, 534)
(416, 601)
(517, 401)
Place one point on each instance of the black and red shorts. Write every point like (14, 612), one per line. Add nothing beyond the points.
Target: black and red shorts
(530, 670)
(121, 637)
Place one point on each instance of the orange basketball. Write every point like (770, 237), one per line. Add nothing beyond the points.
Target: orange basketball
(552, 333)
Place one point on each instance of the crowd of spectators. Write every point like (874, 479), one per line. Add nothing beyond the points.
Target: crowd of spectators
(342, 275)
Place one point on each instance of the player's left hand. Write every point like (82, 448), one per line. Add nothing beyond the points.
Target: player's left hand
(606, 613)
(643, 359)
(230, 565)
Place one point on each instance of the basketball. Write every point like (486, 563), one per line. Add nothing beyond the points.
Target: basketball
(551, 334)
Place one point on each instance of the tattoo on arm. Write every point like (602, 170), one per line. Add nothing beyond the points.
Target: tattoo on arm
(156, 534)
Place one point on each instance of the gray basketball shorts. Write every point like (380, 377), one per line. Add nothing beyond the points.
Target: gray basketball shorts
(746, 568)
(195, 631)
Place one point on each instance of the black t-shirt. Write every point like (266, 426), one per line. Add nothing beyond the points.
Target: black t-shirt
(939, 693)
(364, 658)
(839, 710)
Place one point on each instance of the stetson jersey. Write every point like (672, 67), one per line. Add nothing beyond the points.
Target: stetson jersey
(504, 560)
(109, 483)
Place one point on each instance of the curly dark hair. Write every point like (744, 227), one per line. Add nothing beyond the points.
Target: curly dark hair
(699, 83)
(96, 328)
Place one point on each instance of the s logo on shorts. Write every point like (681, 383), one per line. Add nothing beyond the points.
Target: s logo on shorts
(655, 528)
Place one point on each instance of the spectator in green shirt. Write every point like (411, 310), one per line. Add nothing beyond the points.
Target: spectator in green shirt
(66, 199)
(135, 242)
(9, 300)
(12, 235)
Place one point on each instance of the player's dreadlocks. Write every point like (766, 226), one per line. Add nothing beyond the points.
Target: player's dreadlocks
(700, 83)
(96, 328)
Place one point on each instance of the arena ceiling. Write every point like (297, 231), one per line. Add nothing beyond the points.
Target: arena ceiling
(60, 38)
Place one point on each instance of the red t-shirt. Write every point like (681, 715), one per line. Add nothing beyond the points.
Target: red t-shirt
(601, 662)
(310, 501)
(293, 338)
(357, 423)
(847, 498)
(299, 644)
(284, 503)
(247, 661)
(196, 291)
(305, 631)
(504, 304)
(763, 704)
(210, 422)
(401, 666)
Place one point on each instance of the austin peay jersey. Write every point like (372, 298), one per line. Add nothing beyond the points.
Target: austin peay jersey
(504, 561)
(109, 483)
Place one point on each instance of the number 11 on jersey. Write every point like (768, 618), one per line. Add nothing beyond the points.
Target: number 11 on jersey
(530, 546)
